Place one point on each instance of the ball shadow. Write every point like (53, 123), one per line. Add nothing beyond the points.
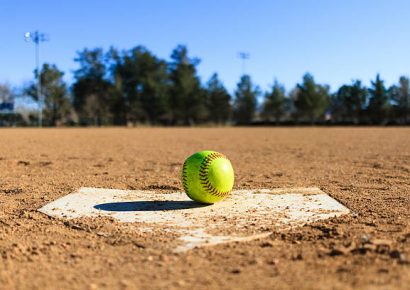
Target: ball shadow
(149, 205)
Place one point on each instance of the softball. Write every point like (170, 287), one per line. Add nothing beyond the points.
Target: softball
(207, 177)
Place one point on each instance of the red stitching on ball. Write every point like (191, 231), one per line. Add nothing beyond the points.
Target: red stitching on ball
(203, 174)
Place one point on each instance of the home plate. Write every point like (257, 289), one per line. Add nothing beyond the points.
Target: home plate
(244, 216)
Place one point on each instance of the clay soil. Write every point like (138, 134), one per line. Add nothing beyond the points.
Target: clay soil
(366, 169)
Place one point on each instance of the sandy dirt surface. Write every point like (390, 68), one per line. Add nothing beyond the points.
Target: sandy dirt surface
(366, 169)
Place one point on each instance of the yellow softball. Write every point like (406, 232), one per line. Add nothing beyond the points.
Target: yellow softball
(207, 176)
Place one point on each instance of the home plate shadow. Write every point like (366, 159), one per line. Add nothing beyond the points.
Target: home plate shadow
(244, 215)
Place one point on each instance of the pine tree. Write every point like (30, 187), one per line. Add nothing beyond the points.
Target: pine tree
(350, 101)
(274, 103)
(57, 106)
(400, 97)
(218, 101)
(93, 93)
(245, 101)
(311, 99)
(143, 81)
(186, 97)
(378, 102)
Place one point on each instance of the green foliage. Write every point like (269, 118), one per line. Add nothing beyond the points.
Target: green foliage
(378, 102)
(400, 97)
(311, 99)
(245, 101)
(93, 93)
(218, 101)
(57, 106)
(135, 86)
(187, 99)
(143, 82)
(274, 103)
(92, 64)
(349, 102)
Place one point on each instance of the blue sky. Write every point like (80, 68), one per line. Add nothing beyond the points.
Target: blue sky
(336, 41)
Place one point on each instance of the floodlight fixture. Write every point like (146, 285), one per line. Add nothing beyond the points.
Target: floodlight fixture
(244, 56)
(27, 36)
(37, 37)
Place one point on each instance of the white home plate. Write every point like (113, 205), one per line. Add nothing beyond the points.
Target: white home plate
(245, 215)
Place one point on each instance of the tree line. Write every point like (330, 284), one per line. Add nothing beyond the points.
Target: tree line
(131, 87)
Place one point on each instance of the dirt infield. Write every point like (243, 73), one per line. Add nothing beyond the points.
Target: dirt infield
(366, 169)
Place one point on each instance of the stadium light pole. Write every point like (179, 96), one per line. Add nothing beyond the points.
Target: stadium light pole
(37, 37)
(244, 56)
